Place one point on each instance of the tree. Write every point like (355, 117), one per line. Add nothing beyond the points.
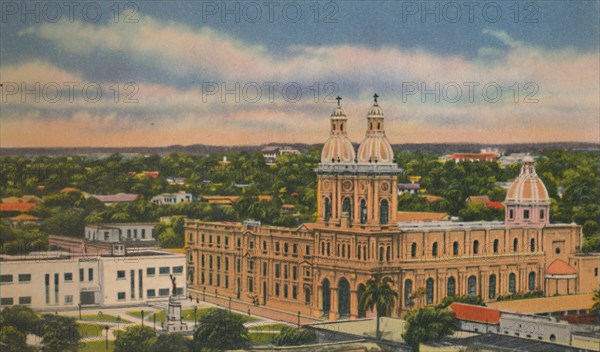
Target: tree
(13, 339)
(21, 317)
(379, 295)
(135, 339)
(427, 324)
(289, 336)
(171, 343)
(596, 306)
(220, 329)
(59, 333)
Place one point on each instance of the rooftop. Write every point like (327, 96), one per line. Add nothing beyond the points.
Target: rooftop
(545, 304)
(17, 206)
(475, 313)
(558, 267)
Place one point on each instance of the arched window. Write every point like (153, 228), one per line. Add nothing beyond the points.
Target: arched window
(343, 250)
(347, 207)
(328, 248)
(492, 287)
(451, 286)
(526, 214)
(363, 211)
(495, 246)
(434, 249)
(542, 214)
(472, 286)
(512, 283)
(388, 253)
(359, 253)
(516, 245)
(327, 209)
(475, 247)
(381, 253)
(455, 248)
(348, 251)
(378, 125)
(323, 247)
(532, 245)
(429, 291)
(342, 128)
(413, 250)
(365, 253)
(407, 292)
(383, 212)
(531, 281)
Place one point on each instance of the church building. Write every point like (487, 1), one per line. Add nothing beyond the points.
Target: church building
(320, 269)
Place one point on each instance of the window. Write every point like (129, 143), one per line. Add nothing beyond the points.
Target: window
(27, 277)
(531, 281)
(164, 270)
(277, 270)
(121, 296)
(595, 271)
(150, 271)
(121, 274)
(472, 286)
(557, 250)
(239, 243)
(532, 245)
(250, 285)
(381, 253)
(90, 274)
(455, 248)
(516, 245)
(285, 291)
(434, 249)
(295, 292)
(264, 246)
(251, 245)
(277, 290)
(512, 282)
(6, 279)
(413, 250)
(143, 233)
(203, 238)
(239, 265)
(307, 252)
(69, 299)
(68, 276)
(407, 292)
(451, 287)
(285, 271)
(511, 213)
(492, 287)
(542, 214)
(80, 274)
(226, 264)
(383, 212)
(294, 273)
(475, 247)
(177, 269)
(226, 241)
(163, 292)
(496, 246)
(6, 301)
(26, 300)
(429, 291)
(363, 211)
(307, 295)
(526, 214)
(277, 247)
(251, 265)
(285, 248)
(218, 240)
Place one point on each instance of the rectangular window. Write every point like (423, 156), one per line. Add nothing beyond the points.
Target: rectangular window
(277, 290)
(56, 288)
(25, 277)
(132, 283)
(210, 278)
(210, 240)
(226, 241)
(68, 276)
(202, 238)
(277, 270)
(251, 265)
(69, 299)
(542, 214)
(226, 281)
(179, 291)
(250, 285)
(164, 270)
(140, 283)
(151, 293)
(6, 301)
(163, 292)
(90, 274)
(143, 233)
(81, 275)
(285, 248)
(294, 272)
(285, 291)
(150, 271)
(285, 271)
(251, 245)
(210, 262)
(218, 263)
(177, 269)
(264, 269)
(226, 264)
(25, 300)
(135, 233)
(525, 214)
(307, 250)
(202, 261)
(120, 274)
(6, 279)
(121, 296)
(47, 286)
(239, 266)
(294, 249)
(218, 240)
(218, 279)
(264, 246)
(277, 247)
(295, 292)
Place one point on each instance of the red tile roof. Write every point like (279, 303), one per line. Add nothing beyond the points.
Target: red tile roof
(478, 199)
(17, 206)
(494, 205)
(25, 217)
(475, 313)
(558, 267)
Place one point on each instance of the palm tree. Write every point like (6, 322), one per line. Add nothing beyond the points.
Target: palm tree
(427, 324)
(596, 306)
(379, 295)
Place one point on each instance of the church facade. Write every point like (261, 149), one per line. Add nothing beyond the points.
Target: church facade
(320, 269)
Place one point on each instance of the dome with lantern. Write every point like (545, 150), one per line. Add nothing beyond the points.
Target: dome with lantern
(375, 147)
(338, 148)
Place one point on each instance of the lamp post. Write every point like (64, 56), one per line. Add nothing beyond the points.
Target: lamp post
(204, 293)
(106, 328)
(118, 321)
(298, 319)
(142, 318)
(195, 321)
(230, 305)
(79, 305)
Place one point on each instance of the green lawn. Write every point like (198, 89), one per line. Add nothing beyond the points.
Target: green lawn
(259, 337)
(97, 346)
(269, 327)
(104, 317)
(188, 315)
(91, 330)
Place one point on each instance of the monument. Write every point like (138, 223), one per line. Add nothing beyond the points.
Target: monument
(174, 321)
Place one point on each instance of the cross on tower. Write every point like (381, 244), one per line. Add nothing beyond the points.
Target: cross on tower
(375, 97)
(338, 99)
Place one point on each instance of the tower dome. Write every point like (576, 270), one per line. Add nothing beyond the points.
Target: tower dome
(338, 148)
(527, 201)
(375, 148)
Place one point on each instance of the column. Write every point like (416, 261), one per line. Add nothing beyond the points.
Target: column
(353, 304)
(333, 309)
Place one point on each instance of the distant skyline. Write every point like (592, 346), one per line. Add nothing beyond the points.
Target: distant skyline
(173, 58)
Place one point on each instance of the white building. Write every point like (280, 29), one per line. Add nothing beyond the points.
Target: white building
(271, 153)
(57, 280)
(120, 232)
(172, 198)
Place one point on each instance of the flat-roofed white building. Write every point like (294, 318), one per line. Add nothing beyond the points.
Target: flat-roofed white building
(59, 280)
(172, 198)
(117, 232)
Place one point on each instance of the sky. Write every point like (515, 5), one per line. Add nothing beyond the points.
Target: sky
(159, 73)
